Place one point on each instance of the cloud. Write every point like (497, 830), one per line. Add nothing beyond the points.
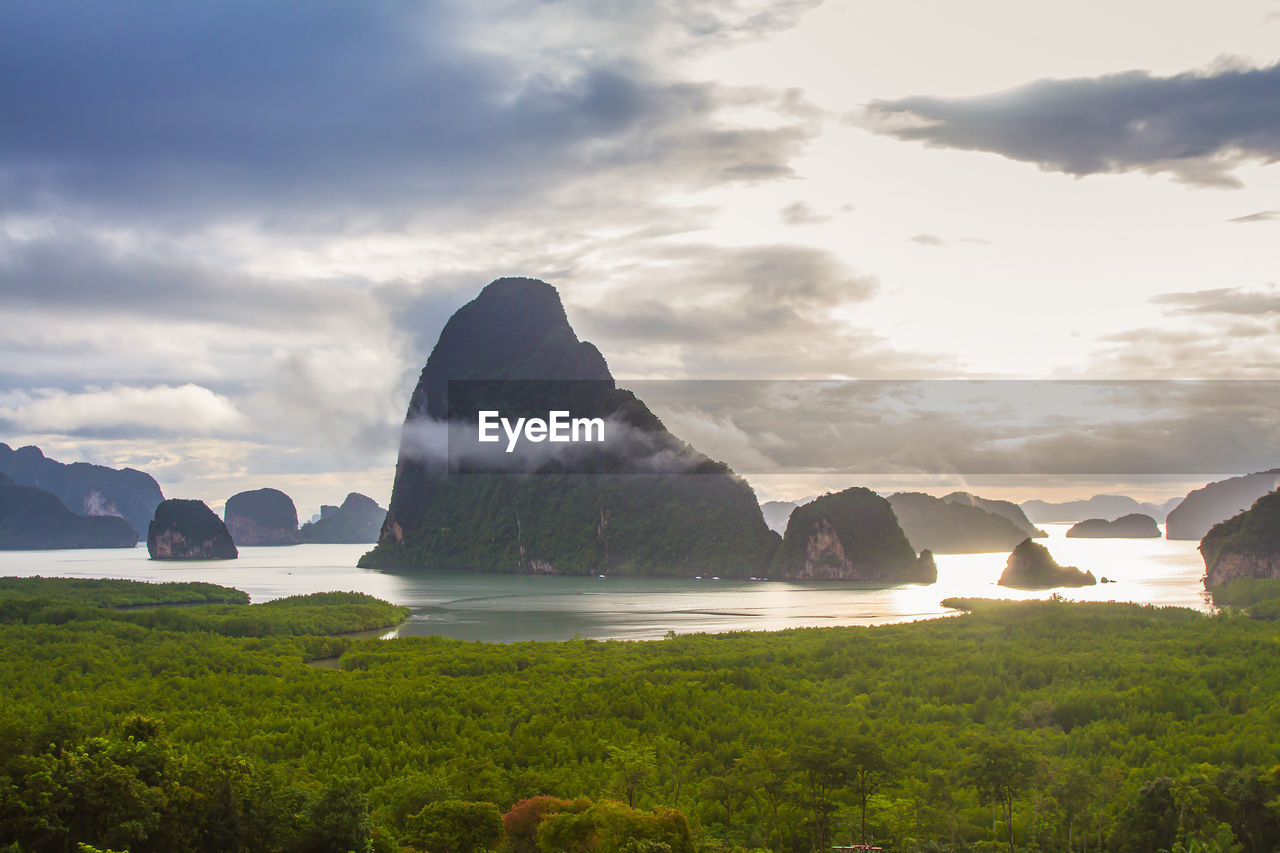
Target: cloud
(186, 409)
(927, 240)
(1227, 300)
(1196, 126)
(801, 213)
(683, 309)
(78, 272)
(1260, 216)
(1223, 333)
(287, 232)
(355, 108)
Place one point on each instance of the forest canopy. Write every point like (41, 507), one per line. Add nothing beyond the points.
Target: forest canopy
(1036, 725)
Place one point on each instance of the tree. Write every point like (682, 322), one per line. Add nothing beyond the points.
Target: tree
(867, 770)
(1072, 788)
(522, 820)
(569, 832)
(406, 795)
(1001, 771)
(338, 820)
(820, 761)
(766, 773)
(632, 765)
(455, 826)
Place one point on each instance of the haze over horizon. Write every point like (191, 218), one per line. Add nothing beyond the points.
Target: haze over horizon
(230, 235)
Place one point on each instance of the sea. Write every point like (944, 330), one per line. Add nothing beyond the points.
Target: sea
(515, 608)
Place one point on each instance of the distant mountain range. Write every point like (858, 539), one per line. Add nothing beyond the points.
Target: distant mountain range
(34, 519)
(1107, 507)
(1199, 511)
(85, 489)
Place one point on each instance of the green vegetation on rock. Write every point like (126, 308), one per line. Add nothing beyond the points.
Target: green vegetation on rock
(849, 535)
(645, 505)
(1244, 546)
(188, 530)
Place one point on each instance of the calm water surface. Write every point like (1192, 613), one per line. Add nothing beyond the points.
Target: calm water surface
(507, 608)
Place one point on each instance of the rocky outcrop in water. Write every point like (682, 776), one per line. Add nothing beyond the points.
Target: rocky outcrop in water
(33, 519)
(90, 490)
(1203, 508)
(1030, 566)
(641, 503)
(357, 520)
(261, 517)
(947, 527)
(1132, 526)
(1244, 546)
(188, 530)
(849, 535)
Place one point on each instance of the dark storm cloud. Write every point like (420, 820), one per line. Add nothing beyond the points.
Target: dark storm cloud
(243, 106)
(1195, 126)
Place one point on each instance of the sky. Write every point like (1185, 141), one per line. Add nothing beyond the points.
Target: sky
(230, 233)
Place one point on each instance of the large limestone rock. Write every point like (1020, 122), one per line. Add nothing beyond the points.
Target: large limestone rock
(358, 519)
(849, 535)
(1005, 509)
(644, 504)
(188, 530)
(261, 517)
(1030, 566)
(950, 527)
(1245, 546)
(33, 519)
(85, 489)
(1135, 525)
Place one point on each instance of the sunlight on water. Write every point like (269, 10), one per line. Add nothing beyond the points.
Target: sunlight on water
(508, 608)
